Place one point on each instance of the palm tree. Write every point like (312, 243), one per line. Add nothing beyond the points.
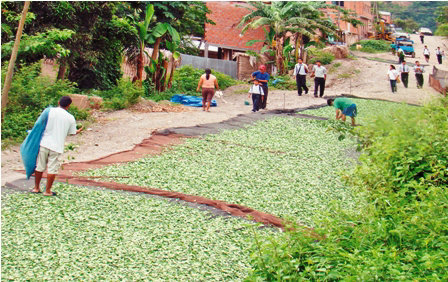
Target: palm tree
(300, 18)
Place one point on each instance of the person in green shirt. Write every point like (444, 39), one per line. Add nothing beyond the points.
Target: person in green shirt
(344, 107)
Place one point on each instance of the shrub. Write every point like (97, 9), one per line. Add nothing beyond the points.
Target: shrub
(186, 80)
(402, 231)
(123, 95)
(442, 30)
(28, 96)
(318, 55)
(372, 46)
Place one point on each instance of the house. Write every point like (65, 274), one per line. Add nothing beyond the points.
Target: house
(348, 32)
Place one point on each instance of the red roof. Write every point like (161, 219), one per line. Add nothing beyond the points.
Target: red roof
(226, 33)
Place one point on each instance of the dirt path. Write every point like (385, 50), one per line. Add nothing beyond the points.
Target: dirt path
(121, 130)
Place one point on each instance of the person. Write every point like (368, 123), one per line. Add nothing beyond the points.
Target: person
(393, 75)
(262, 77)
(300, 71)
(320, 75)
(60, 124)
(419, 70)
(439, 55)
(257, 93)
(400, 55)
(426, 53)
(422, 37)
(404, 71)
(344, 107)
(208, 82)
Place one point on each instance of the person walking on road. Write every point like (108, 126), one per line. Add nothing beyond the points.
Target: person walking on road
(320, 75)
(300, 71)
(208, 82)
(392, 74)
(262, 76)
(344, 107)
(422, 37)
(404, 71)
(400, 55)
(426, 53)
(60, 124)
(419, 70)
(439, 54)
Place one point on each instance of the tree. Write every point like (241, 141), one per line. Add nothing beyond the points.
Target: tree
(408, 25)
(300, 18)
(12, 61)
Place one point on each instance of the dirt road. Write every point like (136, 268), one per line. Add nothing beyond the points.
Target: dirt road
(121, 130)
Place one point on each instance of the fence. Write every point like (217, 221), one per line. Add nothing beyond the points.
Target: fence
(227, 67)
(439, 80)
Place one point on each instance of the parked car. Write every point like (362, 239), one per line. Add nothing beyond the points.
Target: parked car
(401, 35)
(405, 44)
(425, 31)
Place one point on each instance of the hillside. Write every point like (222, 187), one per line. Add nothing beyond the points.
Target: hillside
(423, 12)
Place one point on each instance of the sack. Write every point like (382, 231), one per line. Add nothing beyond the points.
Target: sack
(398, 79)
(219, 94)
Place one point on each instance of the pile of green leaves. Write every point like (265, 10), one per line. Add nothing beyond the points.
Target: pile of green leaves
(186, 80)
(29, 95)
(284, 166)
(402, 233)
(372, 46)
(319, 55)
(97, 235)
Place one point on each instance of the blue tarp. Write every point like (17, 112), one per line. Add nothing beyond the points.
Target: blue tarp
(30, 147)
(192, 101)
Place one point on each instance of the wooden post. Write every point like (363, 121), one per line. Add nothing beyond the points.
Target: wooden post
(206, 50)
(13, 58)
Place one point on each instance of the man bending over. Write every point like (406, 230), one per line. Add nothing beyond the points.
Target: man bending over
(344, 107)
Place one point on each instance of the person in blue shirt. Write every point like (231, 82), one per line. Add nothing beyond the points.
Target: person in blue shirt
(262, 76)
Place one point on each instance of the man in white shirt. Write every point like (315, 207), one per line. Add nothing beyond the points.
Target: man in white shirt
(404, 70)
(426, 53)
(439, 55)
(60, 123)
(300, 71)
(418, 69)
(320, 75)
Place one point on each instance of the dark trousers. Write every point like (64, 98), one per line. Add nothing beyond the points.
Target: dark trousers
(400, 58)
(263, 103)
(419, 77)
(439, 58)
(393, 85)
(319, 82)
(301, 83)
(405, 78)
(256, 101)
(422, 39)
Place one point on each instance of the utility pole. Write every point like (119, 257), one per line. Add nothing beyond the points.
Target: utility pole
(12, 61)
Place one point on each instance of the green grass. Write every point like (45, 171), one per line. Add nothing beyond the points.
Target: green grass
(283, 166)
(97, 235)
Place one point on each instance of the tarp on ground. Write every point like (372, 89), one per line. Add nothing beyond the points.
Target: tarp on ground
(192, 101)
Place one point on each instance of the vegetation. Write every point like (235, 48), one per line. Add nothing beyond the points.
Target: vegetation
(318, 55)
(408, 25)
(372, 46)
(442, 21)
(401, 233)
(422, 12)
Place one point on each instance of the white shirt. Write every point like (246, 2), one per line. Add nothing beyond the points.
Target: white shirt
(319, 71)
(438, 52)
(301, 69)
(403, 68)
(393, 74)
(256, 89)
(426, 51)
(60, 124)
(419, 69)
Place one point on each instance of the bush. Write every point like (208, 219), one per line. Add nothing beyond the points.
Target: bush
(124, 95)
(186, 80)
(318, 55)
(372, 46)
(442, 30)
(28, 96)
(402, 231)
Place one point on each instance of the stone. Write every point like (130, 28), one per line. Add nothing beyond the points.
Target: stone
(86, 102)
(338, 51)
